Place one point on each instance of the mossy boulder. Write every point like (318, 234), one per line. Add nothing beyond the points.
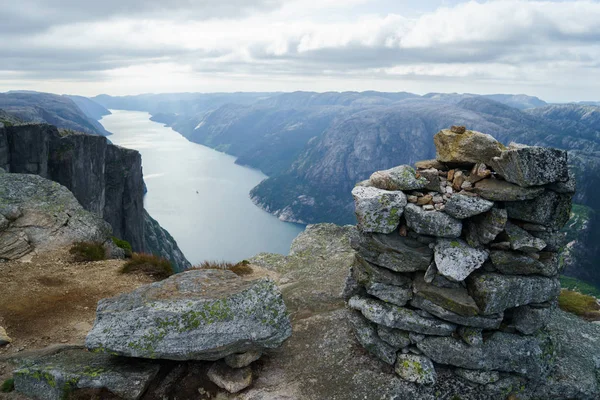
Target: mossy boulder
(378, 210)
(469, 147)
(194, 315)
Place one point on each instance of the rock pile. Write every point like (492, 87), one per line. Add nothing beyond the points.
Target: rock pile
(457, 260)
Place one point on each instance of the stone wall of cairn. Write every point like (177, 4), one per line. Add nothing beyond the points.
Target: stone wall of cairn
(457, 261)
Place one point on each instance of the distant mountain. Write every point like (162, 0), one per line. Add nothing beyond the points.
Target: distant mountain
(90, 108)
(53, 109)
(518, 101)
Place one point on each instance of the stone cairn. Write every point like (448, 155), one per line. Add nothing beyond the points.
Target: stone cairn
(457, 260)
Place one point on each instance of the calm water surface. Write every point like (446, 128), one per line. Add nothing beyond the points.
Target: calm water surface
(198, 194)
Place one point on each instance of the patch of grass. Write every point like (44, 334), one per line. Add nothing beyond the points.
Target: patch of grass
(242, 268)
(88, 251)
(566, 282)
(579, 304)
(154, 266)
(124, 244)
(8, 386)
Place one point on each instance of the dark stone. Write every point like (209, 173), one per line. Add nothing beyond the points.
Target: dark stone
(366, 334)
(497, 190)
(550, 209)
(515, 263)
(476, 321)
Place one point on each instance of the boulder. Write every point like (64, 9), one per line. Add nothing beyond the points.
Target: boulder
(478, 376)
(454, 300)
(433, 179)
(515, 263)
(495, 292)
(57, 376)
(461, 206)
(4, 338)
(415, 368)
(550, 209)
(531, 165)
(366, 334)
(378, 210)
(44, 216)
(193, 315)
(476, 321)
(455, 259)
(402, 177)
(483, 229)
(569, 186)
(530, 319)
(394, 252)
(433, 223)
(396, 317)
(241, 360)
(231, 379)
(467, 148)
(394, 337)
(497, 190)
(500, 352)
(522, 240)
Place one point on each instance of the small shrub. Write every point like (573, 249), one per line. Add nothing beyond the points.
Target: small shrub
(123, 244)
(242, 268)
(149, 264)
(88, 251)
(579, 304)
(8, 386)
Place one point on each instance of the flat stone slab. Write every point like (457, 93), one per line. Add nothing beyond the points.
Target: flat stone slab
(484, 228)
(402, 177)
(532, 165)
(231, 379)
(393, 251)
(366, 334)
(461, 206)
(550, 209)
(396, 317)
(495, 292)
(497, 190)
(516, 263)
(479, 377)
(366, 273)
(470, 147)
(456, 260)
(193, 315)
(454, 300)
(390, 293)
(522, 240)
(432, 223)
(394, 337)
(504, 352)
(476, 321)
(55, 377)
(415, 368)
(529, 319)
(378, 210)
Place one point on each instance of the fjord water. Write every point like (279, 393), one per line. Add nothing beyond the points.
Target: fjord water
(199, 194)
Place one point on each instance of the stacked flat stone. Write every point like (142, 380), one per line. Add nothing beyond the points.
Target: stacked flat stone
(457, 259)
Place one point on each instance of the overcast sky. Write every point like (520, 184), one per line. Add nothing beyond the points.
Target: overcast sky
(546, 48)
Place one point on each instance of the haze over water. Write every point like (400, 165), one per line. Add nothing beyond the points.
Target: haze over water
(199, 194)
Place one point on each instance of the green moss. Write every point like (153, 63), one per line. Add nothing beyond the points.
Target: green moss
(88, 251)
(8, 386)
(123, 244)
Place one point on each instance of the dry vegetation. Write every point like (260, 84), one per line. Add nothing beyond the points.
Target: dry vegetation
(88, 251)
(579, 304)
(156, 267)
(242, 268)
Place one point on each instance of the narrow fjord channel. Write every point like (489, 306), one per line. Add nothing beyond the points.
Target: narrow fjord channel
(199, 194)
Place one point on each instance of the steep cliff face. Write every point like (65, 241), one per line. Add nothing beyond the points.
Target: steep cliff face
(104, 178)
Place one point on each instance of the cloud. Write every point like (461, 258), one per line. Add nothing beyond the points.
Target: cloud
(530, 43)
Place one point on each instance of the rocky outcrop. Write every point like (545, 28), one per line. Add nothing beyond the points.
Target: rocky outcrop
(488, 270)
(194, 315)
(106, 179)
(39, 214)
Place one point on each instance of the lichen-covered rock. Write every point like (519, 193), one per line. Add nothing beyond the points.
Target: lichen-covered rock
(456, 260)
(471, 336)
(416, 368)
(476, 321)
(500, 352)
(495, 292)
(389, 293)
(455, 300)
(194, 315)
(366, 334)
(394, 337)
(467, 148)
(378, 210)
(478, 376)
(522, 240)
(433, 223)
(366, 274)
(241, 360)
(515, 263)
(4, 338)
(462, 206)
(399, 318)
(394, 252)
(555, 241)
(231, 379)
(57, 376)
(530, 319)
(483, 229)
(402, 177)
(44, 216)
(531, 165)
(497, 190)
(550, 209)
